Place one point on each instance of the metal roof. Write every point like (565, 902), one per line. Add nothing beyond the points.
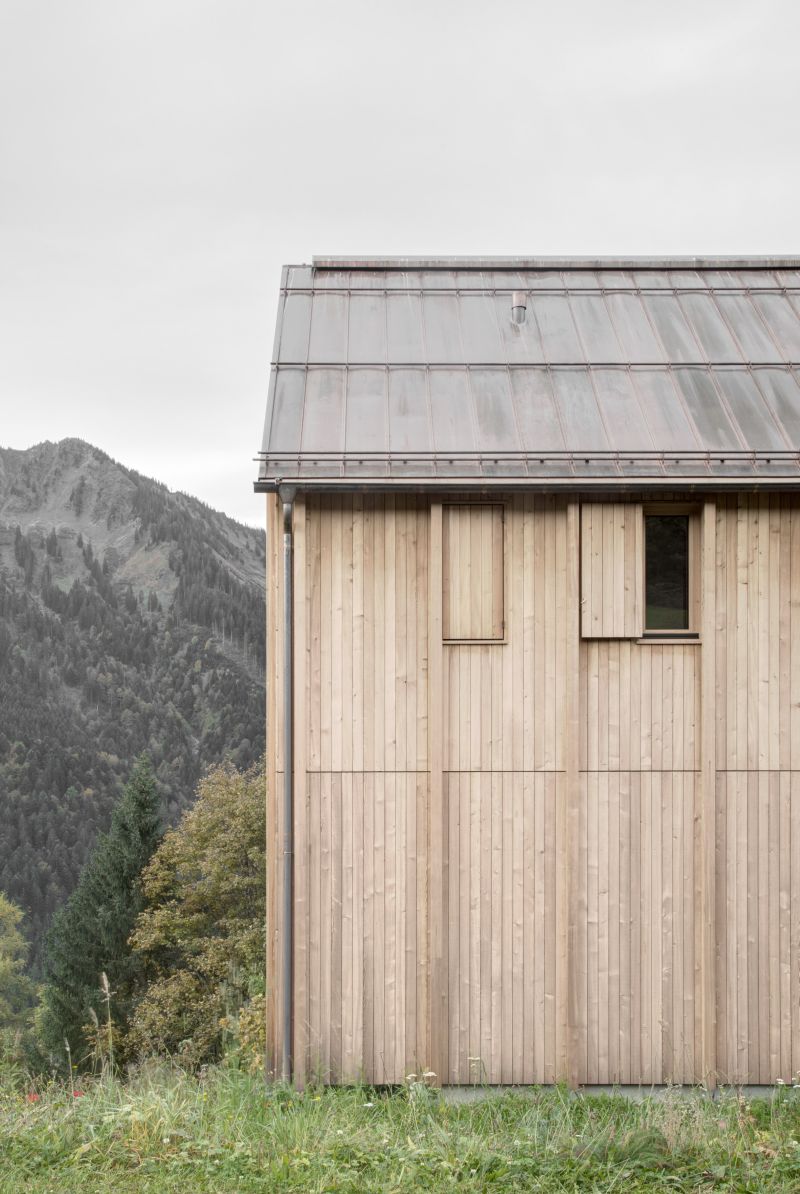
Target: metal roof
(411, 370)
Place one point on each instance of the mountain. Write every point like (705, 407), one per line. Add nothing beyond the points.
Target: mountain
(131, 619)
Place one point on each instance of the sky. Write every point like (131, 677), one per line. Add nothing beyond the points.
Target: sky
(160, 160)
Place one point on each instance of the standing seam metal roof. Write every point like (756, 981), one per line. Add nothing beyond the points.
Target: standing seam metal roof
(412, 370)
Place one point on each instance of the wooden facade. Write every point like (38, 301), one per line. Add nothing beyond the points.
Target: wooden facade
(546, 791)
(531, 845)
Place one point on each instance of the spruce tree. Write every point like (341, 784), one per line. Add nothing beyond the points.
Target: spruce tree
(89, 934)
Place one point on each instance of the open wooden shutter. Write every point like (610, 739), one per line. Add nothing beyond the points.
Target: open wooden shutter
(612, 570)
(472, 572)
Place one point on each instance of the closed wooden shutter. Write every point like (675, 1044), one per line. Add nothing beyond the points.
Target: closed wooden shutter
(472, 572)
(612, 570)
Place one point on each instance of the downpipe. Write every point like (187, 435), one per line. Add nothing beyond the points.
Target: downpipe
(287, 497)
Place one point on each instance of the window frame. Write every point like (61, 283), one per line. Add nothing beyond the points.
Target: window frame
(690, 510)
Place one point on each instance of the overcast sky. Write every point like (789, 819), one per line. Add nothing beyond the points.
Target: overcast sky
(160, 160)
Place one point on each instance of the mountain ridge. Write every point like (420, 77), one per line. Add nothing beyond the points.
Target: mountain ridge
(131, 618)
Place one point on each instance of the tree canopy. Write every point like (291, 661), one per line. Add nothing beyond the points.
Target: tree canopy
(199, 940)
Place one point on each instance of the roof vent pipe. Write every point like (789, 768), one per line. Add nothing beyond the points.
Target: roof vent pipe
(519, 305)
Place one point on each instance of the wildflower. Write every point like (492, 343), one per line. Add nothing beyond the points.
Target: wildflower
(165, 1139)
(77, 1094)
(367, 1104)
(33, 1097)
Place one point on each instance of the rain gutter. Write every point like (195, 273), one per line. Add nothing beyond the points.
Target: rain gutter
(287, 494)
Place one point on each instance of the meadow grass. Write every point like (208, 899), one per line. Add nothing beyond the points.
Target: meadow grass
(163, 1130)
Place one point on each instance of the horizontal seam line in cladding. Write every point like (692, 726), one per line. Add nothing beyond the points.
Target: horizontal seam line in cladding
(758, 771)
(639, 771)
(419, 772)
(720, 771)
(581, 771)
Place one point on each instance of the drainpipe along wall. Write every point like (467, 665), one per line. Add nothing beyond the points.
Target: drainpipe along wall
(287, 497)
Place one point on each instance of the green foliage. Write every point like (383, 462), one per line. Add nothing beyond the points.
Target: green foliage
(165, 1131)
(200, 939)
(16, 990)
(89, 935)
(246, 1033)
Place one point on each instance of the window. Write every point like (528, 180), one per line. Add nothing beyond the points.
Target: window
(472, 573)
(668, 594)
(640, 571)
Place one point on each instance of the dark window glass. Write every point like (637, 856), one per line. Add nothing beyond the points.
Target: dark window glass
(666, 572)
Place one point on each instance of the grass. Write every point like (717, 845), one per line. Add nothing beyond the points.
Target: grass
(166, 1131)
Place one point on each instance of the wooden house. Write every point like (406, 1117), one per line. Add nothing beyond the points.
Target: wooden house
(534, 671)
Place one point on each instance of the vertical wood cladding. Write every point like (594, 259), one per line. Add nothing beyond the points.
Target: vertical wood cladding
(636, 928)
(757, 691)
(361, 862)
(504, 703)
(504, 795)
(758, 634)
(640, 706)
(503, 849)
(433, 782)
(472, 571)
(612, 575)
(367, 619)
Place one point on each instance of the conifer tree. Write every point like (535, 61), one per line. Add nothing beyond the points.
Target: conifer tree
(89, 934)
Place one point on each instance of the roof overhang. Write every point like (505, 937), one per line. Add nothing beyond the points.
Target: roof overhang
(647, 372)
(530, 485)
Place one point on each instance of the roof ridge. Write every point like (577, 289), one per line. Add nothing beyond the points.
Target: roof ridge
(554, 262)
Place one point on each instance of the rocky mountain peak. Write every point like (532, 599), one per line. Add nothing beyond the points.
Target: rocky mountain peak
(131, 619)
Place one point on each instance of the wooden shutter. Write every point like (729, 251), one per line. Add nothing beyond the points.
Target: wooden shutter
(612, 570)
(472, 572)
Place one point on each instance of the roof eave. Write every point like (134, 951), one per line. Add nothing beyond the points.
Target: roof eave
(562, 484)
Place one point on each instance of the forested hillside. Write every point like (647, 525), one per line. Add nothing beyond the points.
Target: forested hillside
(131, 619)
